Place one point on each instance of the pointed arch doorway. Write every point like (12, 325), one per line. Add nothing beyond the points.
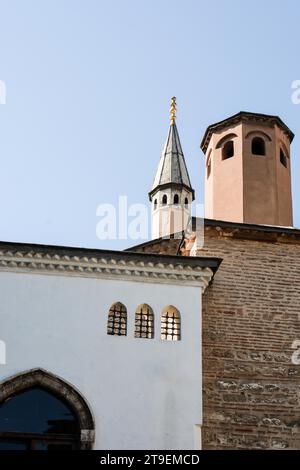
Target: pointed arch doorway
(39, 411)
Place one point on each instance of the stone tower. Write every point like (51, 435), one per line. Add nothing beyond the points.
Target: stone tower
(248, 170)
(171, 194)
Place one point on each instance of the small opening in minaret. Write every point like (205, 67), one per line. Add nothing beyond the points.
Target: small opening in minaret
(228, 150)
(164, 200)
(186, 202)
(283, 158)
(155, 204)
(258, 146)
(176, 199)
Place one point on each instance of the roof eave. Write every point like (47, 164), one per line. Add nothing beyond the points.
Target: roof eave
(178, 186)
(242, 114)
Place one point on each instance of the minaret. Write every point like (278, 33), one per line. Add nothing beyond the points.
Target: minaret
(171, 194)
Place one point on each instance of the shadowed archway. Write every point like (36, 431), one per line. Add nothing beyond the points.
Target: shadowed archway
(39, 379)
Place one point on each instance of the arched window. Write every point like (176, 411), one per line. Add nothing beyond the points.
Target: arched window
(170, 324)
(186, 202)
(176, 199)
(37, 419)
(164, 200)
(41, 411)
(258, 146)
(144, 322)
(117, 320)
(155, 204)
(224, 139)
(283, 158)
(208, 168)
(228, 150)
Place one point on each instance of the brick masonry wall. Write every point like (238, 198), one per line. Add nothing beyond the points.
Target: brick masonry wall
(251, 316)
(160, 246)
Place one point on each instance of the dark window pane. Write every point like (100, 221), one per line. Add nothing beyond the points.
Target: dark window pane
(12, 445)
(228, 150)
(283, 158)
(258, 146)
(41, 445)
(208, 169)
(37, 411)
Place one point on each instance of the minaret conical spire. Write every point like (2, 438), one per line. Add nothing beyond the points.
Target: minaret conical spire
(171, 193)
(172, 168)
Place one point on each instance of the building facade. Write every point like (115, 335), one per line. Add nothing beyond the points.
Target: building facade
(113, 338)
(184, 342)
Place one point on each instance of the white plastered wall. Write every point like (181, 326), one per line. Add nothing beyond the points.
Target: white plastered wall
(143, 394)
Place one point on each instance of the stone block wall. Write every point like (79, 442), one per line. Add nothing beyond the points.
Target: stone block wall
(251, 317)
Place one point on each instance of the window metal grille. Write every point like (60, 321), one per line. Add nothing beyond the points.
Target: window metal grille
(170, 325)
(117, 320)
(144, 322)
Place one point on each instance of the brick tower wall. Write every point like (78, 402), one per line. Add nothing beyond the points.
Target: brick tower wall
(251, 317)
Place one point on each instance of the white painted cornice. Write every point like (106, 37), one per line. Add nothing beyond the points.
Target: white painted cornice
(108, 267)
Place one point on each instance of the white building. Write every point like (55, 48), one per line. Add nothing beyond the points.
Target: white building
(138, 388)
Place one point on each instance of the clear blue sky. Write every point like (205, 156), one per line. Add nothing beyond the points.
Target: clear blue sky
(88, 89)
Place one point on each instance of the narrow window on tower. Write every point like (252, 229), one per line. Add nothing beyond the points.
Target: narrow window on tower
(176, 199)
(186, 202)
(283, 158)
(228, 150)
(208, 168)
(164, 200)
(170, 324)
(208, 164)
(155, 204)
(258, 146)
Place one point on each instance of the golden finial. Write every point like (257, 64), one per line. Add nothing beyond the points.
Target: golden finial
(173, 110)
